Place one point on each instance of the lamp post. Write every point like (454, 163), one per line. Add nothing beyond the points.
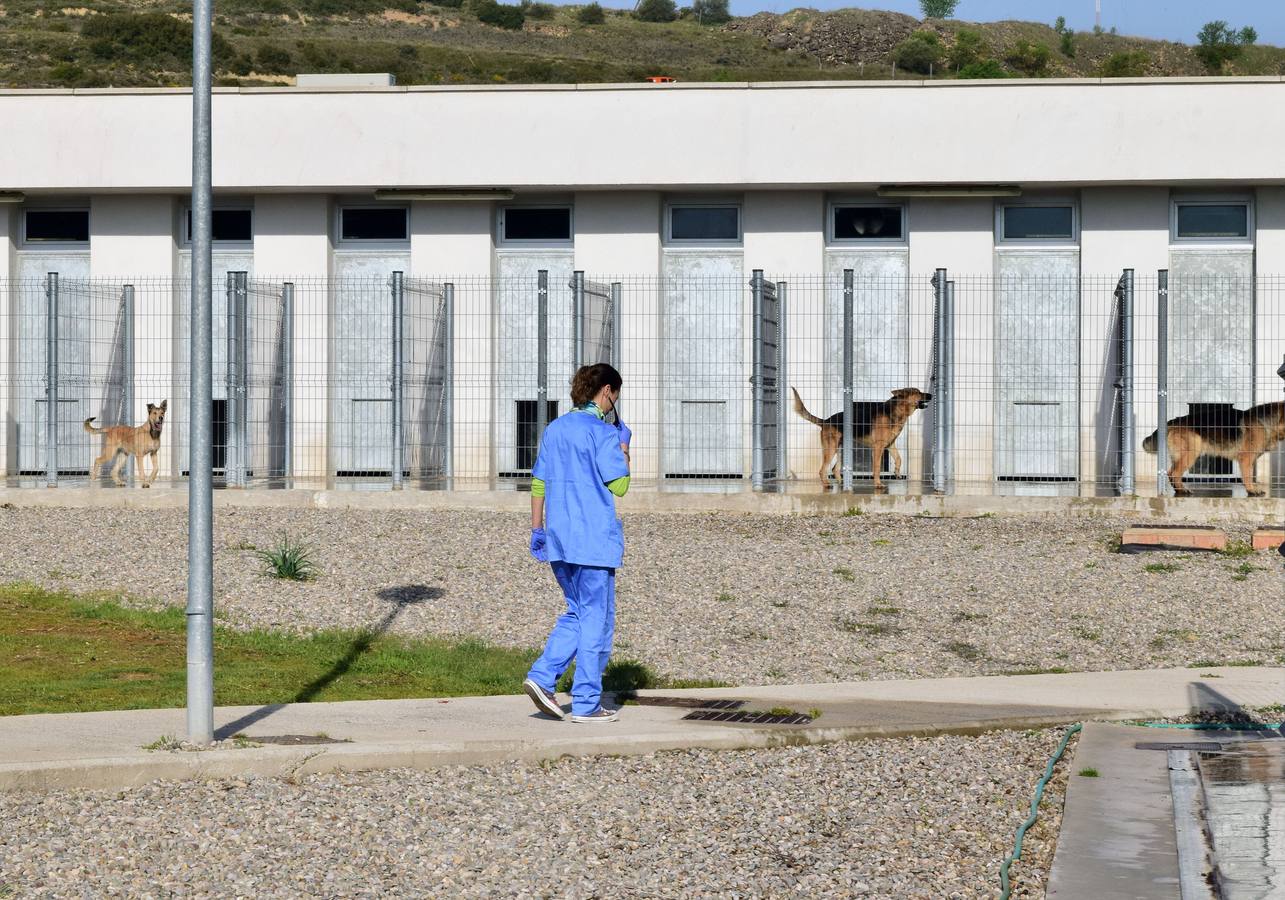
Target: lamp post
(200, 485)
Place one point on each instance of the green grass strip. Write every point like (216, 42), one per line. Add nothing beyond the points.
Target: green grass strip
(64, 653)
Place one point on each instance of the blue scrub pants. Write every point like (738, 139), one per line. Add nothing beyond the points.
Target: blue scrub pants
(582, 633)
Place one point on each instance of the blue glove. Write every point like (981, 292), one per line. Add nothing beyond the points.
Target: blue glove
(538, 551)
(625, 434)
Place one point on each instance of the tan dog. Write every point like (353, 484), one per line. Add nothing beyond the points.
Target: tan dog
(1219, 429)
(122, 441)
(874, 425)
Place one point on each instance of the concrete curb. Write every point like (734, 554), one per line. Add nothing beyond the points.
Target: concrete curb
(1254, 511)
(114, 773)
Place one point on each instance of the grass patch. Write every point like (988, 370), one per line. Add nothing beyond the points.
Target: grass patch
(1238, 550)
(63, 653)
(877, 610)
(1169, 636)
(845, 574)
(1160, 568)
(724, 597)
(1088, 634)
(1242, 571)
(782, 711)
(814, 713)
(880, 542)
(1217, 663)
(964, 615)
(876, 629)
(1038, 670)
(853, 511)
(164, 742)
(965, 650)
(1088, 772)
(292, 562)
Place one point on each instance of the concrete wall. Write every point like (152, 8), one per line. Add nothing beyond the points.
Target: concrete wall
(789, 134)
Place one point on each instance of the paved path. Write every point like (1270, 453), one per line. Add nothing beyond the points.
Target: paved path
(105, 749)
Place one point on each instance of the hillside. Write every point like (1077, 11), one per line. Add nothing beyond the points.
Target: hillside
(140, 43)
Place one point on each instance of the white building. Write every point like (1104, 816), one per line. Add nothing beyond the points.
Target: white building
(1034, 195)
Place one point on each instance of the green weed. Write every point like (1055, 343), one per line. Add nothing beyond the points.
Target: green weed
(289, 561)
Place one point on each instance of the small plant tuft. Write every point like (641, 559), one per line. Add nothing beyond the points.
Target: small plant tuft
(845, 574)
(164, 742)
(814, 713)
(724, 597)
(289, 561)
(853, 511)
(1088, 772)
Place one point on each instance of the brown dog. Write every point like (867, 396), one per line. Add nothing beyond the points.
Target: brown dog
(874, 425)
(120, 441)
(1219, 429)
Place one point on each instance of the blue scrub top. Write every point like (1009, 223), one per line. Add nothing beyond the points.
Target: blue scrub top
(579, 455)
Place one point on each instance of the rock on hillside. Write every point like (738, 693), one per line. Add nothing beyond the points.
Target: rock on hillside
(842, 37)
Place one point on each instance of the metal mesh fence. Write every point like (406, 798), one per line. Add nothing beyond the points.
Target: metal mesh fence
(1036, 379)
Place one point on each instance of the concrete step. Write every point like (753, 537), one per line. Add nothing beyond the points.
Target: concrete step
(1173, 537)
(1268, 538)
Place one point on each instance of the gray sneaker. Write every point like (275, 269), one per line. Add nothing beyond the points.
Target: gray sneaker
(598, 715)
(545, 701)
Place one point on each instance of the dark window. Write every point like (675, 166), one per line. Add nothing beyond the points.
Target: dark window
(1213, 220)
(65, 226)
(530, 224)
(528, 440)
(705, 223)
(228, 225)
(867, 223)
(387, 224)
(1038, 223)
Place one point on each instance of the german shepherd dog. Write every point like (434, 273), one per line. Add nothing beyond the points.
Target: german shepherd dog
(1219, 429)
(874, 425)
(120, 441)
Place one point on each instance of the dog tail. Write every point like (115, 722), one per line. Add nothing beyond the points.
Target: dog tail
(1149, 442)
(803, 410)
(90, 428)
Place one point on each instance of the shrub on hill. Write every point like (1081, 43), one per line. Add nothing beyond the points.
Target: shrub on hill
(1029, 58)
(656, 11)
(921, 52)
(1126, 64)
(987, 68)
(500, 15)
(591, 15)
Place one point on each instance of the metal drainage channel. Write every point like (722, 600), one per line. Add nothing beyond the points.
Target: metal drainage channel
(722, 711)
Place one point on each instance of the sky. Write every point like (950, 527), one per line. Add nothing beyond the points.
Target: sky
(1174, 20)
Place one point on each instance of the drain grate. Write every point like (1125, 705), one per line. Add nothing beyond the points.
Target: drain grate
(747, 717)
(295, 739)
(1198, 746)
(688, 702)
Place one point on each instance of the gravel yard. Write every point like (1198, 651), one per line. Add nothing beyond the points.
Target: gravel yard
(906, 818)
(742, 599)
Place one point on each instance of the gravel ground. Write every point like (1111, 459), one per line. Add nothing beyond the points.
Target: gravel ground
(882, 818)
(738, 598)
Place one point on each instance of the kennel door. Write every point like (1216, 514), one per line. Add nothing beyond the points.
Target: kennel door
(1037, 301)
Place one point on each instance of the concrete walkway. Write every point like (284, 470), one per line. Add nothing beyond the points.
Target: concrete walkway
(105, 749)
(797, 498)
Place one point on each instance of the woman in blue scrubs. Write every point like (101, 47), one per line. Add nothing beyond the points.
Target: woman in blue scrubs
(582, 466)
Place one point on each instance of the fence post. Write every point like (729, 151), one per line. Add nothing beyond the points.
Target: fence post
(542, 357)
(51, 379)
(399, 449)
(1128, 455)
(756, 383)
(287, 371)
(847, 379)
(1162, 384)
(127, 366)
(577, 319)
(235, 463)
(615, 325)
(939, 419)
(782, 420)
(448, 382)
(947, 403)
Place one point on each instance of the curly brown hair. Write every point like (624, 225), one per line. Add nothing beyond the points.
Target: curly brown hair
(589, 380)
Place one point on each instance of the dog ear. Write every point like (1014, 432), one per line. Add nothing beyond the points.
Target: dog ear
(150, 407)
(165, 404)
